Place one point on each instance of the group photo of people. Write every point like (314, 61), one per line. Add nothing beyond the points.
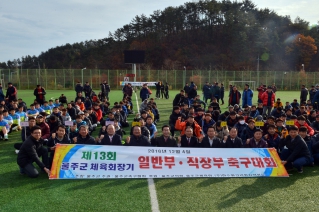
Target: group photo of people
(200, 118)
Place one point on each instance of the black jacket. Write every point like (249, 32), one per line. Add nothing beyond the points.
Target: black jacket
(11, 93)
(138, 141)
(72, 112)
(37, 95)
(205, 143)
(87, 140)
(193, 141)
(303, 94)
(79, 88)
(87, 89)
(187, 89)
(178, 100)
(25, 133)
(247, 133)
(315, 144)
(116, 140)
(53, 141)
(63, 100)
(93, 117)
(315, 125)
(160, 142)
(54, 125)
(192, 93)
(237, 143)
(298, 148)
(105, 88)
(144, 131)
(24, 105)
(29, 152)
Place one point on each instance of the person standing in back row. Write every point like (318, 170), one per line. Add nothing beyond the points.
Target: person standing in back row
(11, 93)
(105, 90)
(268, 100)
(166, 88)
(234, 96)
(87, 90)
(39, 93)
(78, 88)
(222, 93)
(303, 94)
(247, 96)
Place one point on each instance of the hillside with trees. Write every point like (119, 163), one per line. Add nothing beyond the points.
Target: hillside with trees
(221, 35)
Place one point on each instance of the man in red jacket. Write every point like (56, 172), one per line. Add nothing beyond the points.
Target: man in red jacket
(301, 121)
(98, 111)
(268, 99)
(261, 90)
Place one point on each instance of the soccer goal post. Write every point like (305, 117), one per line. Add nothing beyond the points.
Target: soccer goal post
(241, 84)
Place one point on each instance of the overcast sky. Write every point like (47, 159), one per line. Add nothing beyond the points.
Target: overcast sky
(30, 27)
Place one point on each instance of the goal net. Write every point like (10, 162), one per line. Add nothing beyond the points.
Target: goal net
(241, 84)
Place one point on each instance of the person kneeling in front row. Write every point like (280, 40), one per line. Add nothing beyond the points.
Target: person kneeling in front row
(295, 152)
(31, 151)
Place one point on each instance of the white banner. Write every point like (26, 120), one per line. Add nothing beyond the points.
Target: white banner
(122, 83)
(96, 161)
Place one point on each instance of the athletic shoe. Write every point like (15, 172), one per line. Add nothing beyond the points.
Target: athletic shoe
(16, 151)
(15, 128)
(6, 137)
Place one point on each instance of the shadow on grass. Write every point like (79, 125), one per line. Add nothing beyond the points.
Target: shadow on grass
(210, 181)
(173, 182)
(142, 184)
(260, 187)
(109, 183)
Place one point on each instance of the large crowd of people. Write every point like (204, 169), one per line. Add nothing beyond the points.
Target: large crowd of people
(291, 127)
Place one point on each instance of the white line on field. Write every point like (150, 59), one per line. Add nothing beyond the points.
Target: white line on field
(150, 181)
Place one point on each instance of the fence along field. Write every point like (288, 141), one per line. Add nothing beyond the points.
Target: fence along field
(60, 79)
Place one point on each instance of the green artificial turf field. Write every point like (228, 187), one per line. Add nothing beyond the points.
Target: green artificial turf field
(19, 193)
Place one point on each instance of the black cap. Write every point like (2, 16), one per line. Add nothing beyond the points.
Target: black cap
(271, 117)
(301, 118)
(232, 113)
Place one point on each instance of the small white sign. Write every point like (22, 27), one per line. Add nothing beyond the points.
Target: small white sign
(24, 124)
(68, 123)
(126, 79)
(108, 122)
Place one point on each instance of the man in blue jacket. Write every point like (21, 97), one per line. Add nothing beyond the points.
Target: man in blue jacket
(206, 92)
(247, 97)
(144, 93)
